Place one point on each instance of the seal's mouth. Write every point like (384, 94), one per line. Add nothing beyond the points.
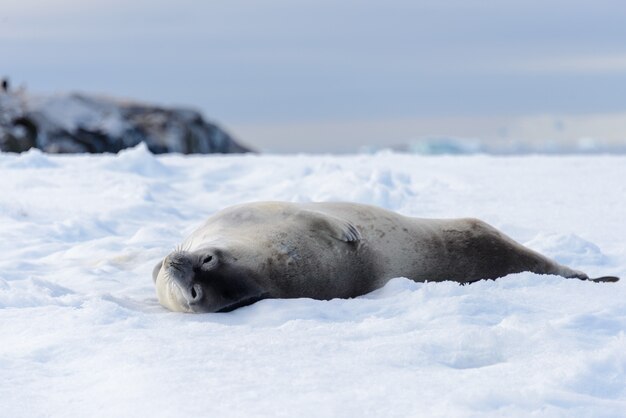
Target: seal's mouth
(244, 302)
(191, 295)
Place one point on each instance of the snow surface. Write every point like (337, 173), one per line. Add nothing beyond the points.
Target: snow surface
(83, 334)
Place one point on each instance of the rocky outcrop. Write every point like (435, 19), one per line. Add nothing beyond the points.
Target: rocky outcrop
(71, 123)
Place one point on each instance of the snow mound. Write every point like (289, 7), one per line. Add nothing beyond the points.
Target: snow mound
(569, 249)
(138, 160)
(32, 159)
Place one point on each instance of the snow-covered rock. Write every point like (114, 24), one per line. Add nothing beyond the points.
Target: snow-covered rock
(70, 123)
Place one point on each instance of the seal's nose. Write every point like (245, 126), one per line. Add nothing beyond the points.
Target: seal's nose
(194, 294)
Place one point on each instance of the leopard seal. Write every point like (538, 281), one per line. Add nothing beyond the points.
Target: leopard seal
(260, 250)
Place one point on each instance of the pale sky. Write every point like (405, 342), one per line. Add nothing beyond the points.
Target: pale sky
(332, 75)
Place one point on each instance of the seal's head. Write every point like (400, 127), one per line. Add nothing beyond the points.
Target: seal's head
(206, 280)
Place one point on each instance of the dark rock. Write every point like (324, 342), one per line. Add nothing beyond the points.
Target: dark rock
(74, 123)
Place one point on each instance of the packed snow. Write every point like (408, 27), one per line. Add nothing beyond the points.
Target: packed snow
(84, 335)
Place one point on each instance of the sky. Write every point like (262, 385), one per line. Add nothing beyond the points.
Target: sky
(329, 76)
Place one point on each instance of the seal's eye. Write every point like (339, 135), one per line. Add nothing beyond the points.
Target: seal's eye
(207, 259)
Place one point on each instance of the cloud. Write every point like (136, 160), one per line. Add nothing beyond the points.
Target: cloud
(276, 61)
(585, 64)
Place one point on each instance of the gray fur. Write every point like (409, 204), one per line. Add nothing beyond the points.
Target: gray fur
(330, 250)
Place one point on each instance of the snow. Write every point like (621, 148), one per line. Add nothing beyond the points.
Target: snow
(83, 333)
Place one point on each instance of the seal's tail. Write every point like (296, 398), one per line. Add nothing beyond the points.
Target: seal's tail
(605, 279)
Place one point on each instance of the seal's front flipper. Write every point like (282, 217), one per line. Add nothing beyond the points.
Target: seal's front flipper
(345, 231)
(338, 228)
(605, 279)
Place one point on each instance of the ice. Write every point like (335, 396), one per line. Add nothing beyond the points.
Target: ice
(503, 146)
(83, 333)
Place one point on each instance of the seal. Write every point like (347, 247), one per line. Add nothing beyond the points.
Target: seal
(254, 251)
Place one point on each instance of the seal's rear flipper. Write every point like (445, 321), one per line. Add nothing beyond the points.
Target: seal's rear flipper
(605, 279)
